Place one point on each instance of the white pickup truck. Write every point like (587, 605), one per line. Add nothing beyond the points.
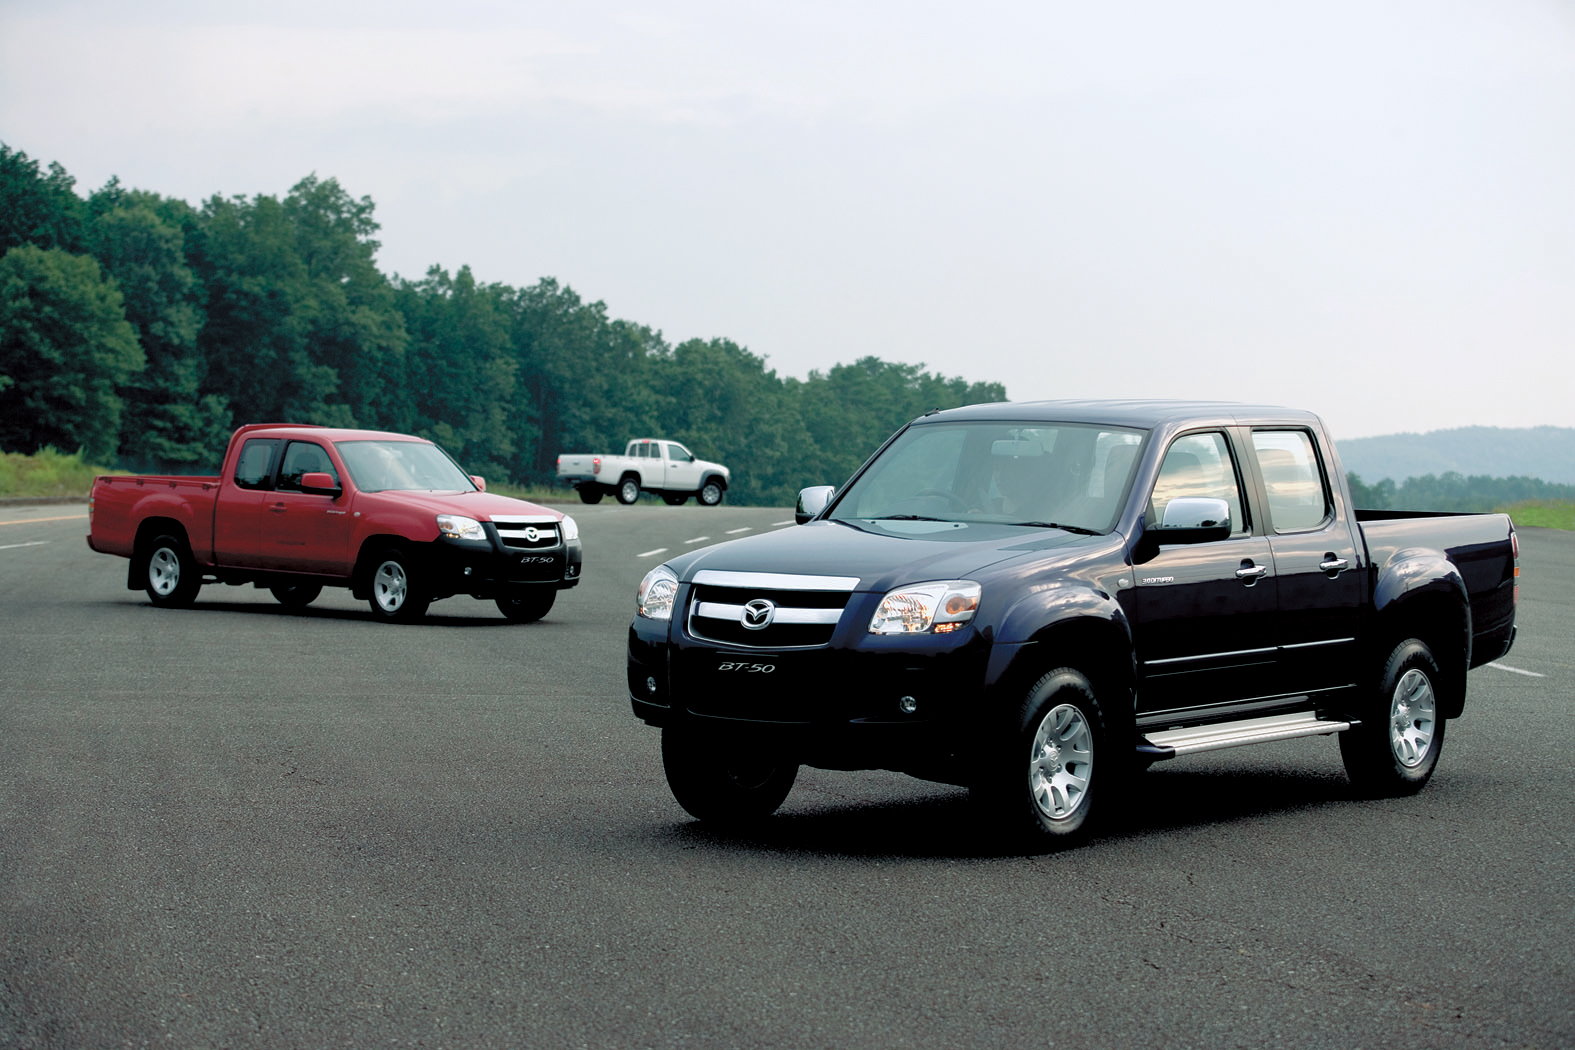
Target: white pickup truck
(662, 467)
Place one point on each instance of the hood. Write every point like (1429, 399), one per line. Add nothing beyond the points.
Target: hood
(884, 554)
(483, 506)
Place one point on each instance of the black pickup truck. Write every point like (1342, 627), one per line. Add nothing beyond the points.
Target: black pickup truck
(1039, 600)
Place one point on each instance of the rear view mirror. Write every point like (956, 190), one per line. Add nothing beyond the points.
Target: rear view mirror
(319, 484)
(1197, 512)
(812, 501)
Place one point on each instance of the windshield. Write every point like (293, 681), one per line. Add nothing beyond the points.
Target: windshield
(376, 466)
(1071, 475)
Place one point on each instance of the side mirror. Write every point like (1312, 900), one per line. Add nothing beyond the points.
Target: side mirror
(1197, 512)
(317, 483)
(812, 501)
(480, 482)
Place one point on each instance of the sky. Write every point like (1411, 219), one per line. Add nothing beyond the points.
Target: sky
(1364, 208)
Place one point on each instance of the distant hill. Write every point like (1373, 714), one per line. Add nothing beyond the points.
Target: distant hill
(1501, 452)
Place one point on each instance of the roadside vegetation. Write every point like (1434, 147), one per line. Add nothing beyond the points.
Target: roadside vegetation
(46, 475)
(1542, 513)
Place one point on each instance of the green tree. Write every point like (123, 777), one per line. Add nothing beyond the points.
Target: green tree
(459, 378)
(169, 424)
(65, 346)
(38, 208)
(300, 323)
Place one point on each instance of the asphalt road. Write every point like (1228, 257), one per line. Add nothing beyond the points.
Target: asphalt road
(238, 826)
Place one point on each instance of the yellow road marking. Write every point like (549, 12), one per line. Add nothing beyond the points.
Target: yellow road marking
(29, 521)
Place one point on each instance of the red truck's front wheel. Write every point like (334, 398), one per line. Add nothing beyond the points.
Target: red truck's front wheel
(397, 594)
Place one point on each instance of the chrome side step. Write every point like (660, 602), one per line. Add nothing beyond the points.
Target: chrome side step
(1169, 743)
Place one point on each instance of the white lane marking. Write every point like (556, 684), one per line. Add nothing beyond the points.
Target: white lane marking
(779, 524)
(735, 532)
(652, 554)
(14, 546)
(1506, 667)
(698, 539)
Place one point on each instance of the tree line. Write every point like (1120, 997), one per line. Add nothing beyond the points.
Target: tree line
(1453, 492)
(140, 330)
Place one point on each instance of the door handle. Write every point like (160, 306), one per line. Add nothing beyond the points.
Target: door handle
(1249, 571)
(1333, 564)
(278, 508)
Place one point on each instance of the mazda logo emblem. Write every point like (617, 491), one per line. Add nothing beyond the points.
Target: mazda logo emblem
(531, 535)
(758, 614)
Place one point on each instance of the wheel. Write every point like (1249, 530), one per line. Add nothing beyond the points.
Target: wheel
(396, 589)
(710, 494)
(628, 490)
(171, 578)
(296, 595)
(722, 779)
(1395, 749)
(590, 494)
(673, 499)
(1037, 786)
(527, 606)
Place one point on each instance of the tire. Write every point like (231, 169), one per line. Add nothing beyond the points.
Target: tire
(710, 494)
(590, 494)
(296, 595)
(1395, 749)
(396, 592)
(1040, 785)
(628, 490)
(674, 500)
(527, 606)
(722, 779)
(170, 574)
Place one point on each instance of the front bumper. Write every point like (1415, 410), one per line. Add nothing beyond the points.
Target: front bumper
(908, 703)
(490, 569)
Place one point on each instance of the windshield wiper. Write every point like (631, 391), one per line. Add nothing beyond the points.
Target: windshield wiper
(906, 517)
(1057, 525)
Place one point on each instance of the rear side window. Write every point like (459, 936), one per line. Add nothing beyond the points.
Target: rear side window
(254, 466)
(1294, 484)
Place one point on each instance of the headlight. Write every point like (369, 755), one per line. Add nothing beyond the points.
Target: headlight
(570, 530)
(457, 527)
(939, 607)
(654, 600)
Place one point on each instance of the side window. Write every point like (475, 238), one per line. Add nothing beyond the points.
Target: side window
(677, 453)
(304, 457)
(643, 450)
(1198, 465)
(1289, 465)
(254, 466)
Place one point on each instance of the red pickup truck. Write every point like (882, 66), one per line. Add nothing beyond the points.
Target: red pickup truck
(299, 508)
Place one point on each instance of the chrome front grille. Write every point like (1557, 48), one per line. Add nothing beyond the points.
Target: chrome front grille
(762, 610)
(528, 534)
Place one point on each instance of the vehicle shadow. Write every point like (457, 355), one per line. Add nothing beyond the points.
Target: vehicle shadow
(483, 617)
(943, 824)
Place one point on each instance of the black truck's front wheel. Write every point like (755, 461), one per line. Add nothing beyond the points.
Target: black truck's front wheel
(722, 778)
(170, 574)
(1395, 749)
(1038, 785)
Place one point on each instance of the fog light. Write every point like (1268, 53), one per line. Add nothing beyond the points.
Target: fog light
(907, 705)
(467, 570)
(650, 686)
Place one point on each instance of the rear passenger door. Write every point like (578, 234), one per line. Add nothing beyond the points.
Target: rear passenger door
(1316, 557)
(1203, 612)
(238, 511)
